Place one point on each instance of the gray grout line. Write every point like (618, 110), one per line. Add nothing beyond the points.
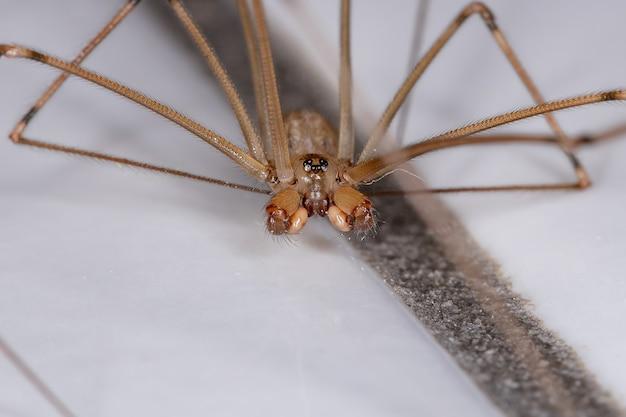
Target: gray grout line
(429, 261)
(459, 294)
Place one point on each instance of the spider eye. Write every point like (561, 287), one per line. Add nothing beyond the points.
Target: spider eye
(308, 164)
(324, 164)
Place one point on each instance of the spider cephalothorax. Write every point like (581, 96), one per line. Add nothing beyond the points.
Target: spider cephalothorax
(320, 186)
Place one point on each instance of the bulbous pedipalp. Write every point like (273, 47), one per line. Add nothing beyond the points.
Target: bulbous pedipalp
(352, 210)
(284, 214)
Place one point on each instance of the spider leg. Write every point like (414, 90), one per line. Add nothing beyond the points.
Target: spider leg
(275, 126)
(253, 167)
(16, 133)
(375, 168)
(581, 140)
(252, 138)
(346, 127)
(45, 391)
(488, 139)
(591, 139)
(584, 139)
(414, 51)
(252, 45)
(480, 189)
(488, 18)
(136, 164)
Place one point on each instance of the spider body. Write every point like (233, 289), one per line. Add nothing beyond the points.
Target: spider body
(320, 186)
(309, 167)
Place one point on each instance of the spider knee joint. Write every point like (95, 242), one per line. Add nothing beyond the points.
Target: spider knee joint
(16, 135)
(485, 13)
(583, 180)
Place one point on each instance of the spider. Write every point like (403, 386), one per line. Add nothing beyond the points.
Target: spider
(309, 167)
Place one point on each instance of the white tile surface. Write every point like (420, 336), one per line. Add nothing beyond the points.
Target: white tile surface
(136, 294)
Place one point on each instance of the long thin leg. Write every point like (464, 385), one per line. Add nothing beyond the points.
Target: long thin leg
(376, 167)
(414, 51)
(252, 138)
(35, 381)
(252, 45)
(17, 135)
(136, 164)
(489, 20)
(121, 14)
(608, 134)
(585, 139)
(346, 128)
(238, 155)
(488, 139)
(581, 140)
(564, 186)
(276, 128)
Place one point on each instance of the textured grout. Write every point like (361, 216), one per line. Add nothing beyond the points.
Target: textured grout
(429, 261)
(459, 294)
